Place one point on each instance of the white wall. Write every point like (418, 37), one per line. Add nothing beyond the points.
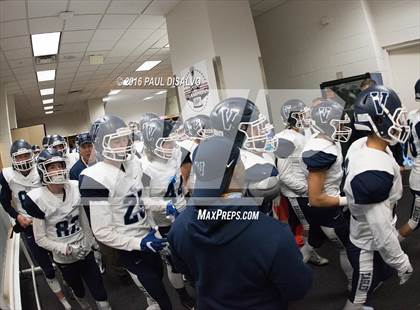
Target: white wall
(129, 104)
(405, 68)
(299, 52)
(65, 124)
(396, 21)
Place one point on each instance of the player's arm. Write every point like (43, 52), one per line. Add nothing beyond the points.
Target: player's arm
(84, 224)
(290, 275)
(371, 191)
(41, 238)
(6, 197)
(289, 180)
(318, 163)
(103, 228)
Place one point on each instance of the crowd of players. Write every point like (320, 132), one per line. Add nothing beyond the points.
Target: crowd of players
(119, 195)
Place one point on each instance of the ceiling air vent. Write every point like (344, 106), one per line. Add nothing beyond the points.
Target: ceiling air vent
(45, 60)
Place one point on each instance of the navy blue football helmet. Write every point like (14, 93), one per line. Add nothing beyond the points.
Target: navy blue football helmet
(47, 157)
(417, 89)
(58, 143)
(20, 147)
(46, 141)
(36, 149)
(378, 109)
(198, 127)
(160, 138)
(295, 113)
(146, 117)
(239, 119)
(330, 119)
(106, 133)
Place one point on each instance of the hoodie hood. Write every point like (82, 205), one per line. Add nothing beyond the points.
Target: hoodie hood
(219, 231)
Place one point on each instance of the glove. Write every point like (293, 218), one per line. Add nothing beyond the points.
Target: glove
(152, 243)
(171, 211)
(77, 251)
(404, 276)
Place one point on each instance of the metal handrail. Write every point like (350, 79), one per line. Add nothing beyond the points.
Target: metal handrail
(11, 285)
(32, 269)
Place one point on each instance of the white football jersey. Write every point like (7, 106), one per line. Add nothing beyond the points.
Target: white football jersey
(164, 185)
(373, 186)
(291, 175)
(320, 154)
(414, 141)
(19, 183)
(65, 222)
(117, 212)
(71, 159)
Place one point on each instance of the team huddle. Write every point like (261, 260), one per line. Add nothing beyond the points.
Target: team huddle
(127, 184)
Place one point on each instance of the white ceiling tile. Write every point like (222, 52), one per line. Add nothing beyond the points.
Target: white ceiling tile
(13, 29)
(88, 7)
(100, 45)
(161, 43)
(82, 22)
(88, 67)
(44, 25)
(161, 7)
(18, 53)
(25, 62)
(148, 22)
(116, 21)
(128, 7)
(70, 57)
(46, 8)
(76, 36)
(107, 34)
(108, 66)
(14, 43)
(137, 35)
(73, 47)
(10, 10)
(114, 60)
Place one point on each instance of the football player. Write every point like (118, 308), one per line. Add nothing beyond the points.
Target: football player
(414, 145)
(144, 118)
(164, 186)
(322, 164)
(58, 143)
(241, 120)
(113, 187)
(373, 187)
(87, 155)
(15, 182)
(46, 141)
(61, 226)
(294, 187)
(36, 150)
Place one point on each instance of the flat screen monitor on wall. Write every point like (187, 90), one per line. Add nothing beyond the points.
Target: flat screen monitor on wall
(345, 91)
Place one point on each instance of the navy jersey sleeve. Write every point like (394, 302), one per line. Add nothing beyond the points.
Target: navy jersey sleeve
(285, 148)
(32, 208)
(6, 197)
(186, 156)
(91, 190)
(318, 160)
(371, 186)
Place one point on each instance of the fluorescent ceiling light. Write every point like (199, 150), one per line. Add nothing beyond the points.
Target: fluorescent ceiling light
(45, 43)
(105, 99)
(161, 92)
(148, 65)
(49, 112)
(46, 75)
(114, 92)
(47, 91)
(48, 107)
(147, 98)
(48, 101)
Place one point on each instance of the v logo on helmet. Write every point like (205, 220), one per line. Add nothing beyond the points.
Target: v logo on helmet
(286, 111)
(228, 116)
(324, 113)
(379, 100)
(196, 124)
(150, 131)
